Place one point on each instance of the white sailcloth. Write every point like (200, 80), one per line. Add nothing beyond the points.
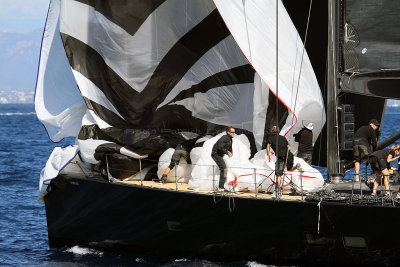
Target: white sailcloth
(252, 24)
(58, 102)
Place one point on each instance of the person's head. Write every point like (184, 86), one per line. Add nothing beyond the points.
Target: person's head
(274, 129)
(396, 149)
(374, 124)
(230, 131)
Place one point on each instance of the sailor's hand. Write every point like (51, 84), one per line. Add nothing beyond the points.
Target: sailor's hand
(229, 154)
(269, 158)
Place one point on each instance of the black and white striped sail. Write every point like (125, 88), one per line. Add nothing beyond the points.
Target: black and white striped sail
(146, 66)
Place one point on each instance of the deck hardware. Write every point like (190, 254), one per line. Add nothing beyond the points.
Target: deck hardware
(316, 239)
(354, 242)
(174, 226)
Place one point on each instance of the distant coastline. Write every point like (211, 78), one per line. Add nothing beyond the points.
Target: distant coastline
(23, 97)
(16, 97)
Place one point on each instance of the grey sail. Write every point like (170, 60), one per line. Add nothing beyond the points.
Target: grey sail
(368, 69)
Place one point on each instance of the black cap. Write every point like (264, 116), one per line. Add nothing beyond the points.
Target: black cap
(373, 121)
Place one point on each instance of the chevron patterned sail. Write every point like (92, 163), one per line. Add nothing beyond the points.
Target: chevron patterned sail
(149, 70)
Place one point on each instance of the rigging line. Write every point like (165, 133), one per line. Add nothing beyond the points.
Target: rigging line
(84, 173)
(231, 198)
(216, 201)
(277, 88)
(301, 66)
(302, 56)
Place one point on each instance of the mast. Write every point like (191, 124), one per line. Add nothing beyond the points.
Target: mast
(333, 156)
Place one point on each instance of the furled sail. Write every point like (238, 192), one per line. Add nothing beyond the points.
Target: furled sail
(184, 65)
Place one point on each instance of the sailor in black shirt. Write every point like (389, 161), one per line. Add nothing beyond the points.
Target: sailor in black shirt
(305, 138)
(380, 164)
(221, 147)
(364, 138)
(182, 150)
(281, 148)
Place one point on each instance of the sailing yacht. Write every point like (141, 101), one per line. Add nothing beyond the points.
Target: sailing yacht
(131, 80)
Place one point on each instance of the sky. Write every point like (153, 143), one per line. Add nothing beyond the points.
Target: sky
(22, 15)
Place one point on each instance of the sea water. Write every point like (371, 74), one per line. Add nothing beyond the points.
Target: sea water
(24, 150)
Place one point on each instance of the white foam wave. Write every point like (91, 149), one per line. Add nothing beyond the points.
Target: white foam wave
(181, 260)
(83, 251)
(256, 264)
(16, 114)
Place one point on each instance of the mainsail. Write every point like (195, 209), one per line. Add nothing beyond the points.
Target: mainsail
(184, 65)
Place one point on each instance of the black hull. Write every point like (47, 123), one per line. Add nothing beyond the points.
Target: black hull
(164, 224)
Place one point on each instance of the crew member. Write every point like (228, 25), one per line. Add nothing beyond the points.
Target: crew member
(223, 147)
(364, 138)
(305, 137)
(182, 150)
(380, 164)
(282, 151)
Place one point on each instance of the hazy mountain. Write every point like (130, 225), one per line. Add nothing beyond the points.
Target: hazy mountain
(19, 57)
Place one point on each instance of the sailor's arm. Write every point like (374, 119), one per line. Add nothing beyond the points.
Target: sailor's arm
(390, 158)
(268, 155)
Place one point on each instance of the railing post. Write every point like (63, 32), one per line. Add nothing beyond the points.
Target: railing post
(390, 190)
(255, 183)
(301, 184)
(276, 181)
(176, 178)
(140, 172)
(382, 177)
(361, 193)
(213, 178)
(352, 187)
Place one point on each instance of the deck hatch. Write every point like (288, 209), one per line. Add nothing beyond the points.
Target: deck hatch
(354, 242)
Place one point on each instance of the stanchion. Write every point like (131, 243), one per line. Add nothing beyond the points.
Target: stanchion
(366, 177)
(382, 177)
(301, 184)
(140, 172)
(352, 188)
(255, 183)
(390, 190)
(213, 177)
(176, 178)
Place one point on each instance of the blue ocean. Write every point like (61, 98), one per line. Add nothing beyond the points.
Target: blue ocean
(24, 150)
